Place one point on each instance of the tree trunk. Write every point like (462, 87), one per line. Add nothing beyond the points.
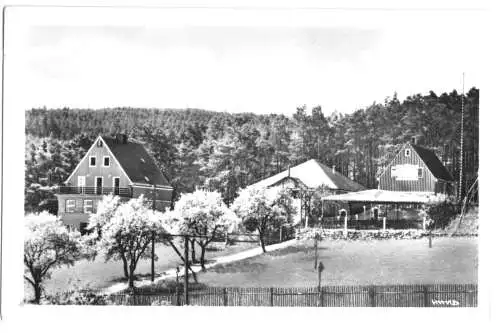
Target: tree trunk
(38, 292)
(262, 242)
(125, 267)
(202, 259)
(193, 251)
(131, 276)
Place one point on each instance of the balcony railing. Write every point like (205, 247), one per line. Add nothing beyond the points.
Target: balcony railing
(120, 191)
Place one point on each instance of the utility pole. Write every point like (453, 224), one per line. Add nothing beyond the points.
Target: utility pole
(316, 251)
(186, 272)
(461, 142)
(321, 267)
(153, 240)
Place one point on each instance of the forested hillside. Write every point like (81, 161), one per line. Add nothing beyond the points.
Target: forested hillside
(224, 151)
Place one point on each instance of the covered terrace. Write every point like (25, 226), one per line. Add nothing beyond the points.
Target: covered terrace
(376, 209)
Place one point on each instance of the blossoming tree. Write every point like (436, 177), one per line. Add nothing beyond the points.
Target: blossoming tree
(127, 234)
(47, 245)
(263, 209)
(204, 214)
(106, 209)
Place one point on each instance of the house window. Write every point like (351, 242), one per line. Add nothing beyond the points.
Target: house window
(407, 152)
(70, 206)
(105, 161)
(92, 161)
(87, 206)
(420, 172)
(99, 143)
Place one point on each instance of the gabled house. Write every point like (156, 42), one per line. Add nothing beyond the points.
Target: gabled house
(111, 165)
(308, 179)
(415, 169)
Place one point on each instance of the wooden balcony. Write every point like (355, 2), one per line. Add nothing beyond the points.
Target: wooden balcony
(120, 191)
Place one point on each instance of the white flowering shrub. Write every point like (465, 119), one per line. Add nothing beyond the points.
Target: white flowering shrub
(47, 245)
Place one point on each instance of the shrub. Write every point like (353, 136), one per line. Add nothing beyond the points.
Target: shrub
(77, 297)
(439, 215)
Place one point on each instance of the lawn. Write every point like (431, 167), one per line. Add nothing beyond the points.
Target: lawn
(101, 274)
(383, 262)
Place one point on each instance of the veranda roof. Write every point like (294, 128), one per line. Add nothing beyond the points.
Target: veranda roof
(381, 196)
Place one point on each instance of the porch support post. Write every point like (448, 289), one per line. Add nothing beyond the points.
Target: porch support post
(383, 223)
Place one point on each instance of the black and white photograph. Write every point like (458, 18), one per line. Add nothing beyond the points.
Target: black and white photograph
(221, 157)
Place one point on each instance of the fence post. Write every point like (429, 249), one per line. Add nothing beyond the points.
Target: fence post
(345, 225)
(426, 296)
(186, 271)
(225, 296)
(271, 290)
(177, 295)
(371, 293)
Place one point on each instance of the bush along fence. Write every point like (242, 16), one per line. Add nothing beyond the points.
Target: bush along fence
(334, 234)
(441, 295)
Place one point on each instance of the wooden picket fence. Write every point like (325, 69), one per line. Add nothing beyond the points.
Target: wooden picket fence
(440, 295)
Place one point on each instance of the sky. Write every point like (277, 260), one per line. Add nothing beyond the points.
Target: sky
(243, 61)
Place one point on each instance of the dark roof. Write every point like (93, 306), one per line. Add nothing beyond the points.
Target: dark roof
(136, 162)
(433, 163)
(313, 174)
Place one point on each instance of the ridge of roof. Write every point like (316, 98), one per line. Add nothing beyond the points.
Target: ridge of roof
(347, 181)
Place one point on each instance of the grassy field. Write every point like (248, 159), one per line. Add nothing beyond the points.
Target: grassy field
(450, 260)
(101, 274)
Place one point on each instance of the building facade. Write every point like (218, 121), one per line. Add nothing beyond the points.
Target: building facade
(415, 169)
(115, 166)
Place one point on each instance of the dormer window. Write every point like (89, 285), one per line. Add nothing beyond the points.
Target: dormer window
(407, 152)
(105, 161)
(92, 161)
(99, 143)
